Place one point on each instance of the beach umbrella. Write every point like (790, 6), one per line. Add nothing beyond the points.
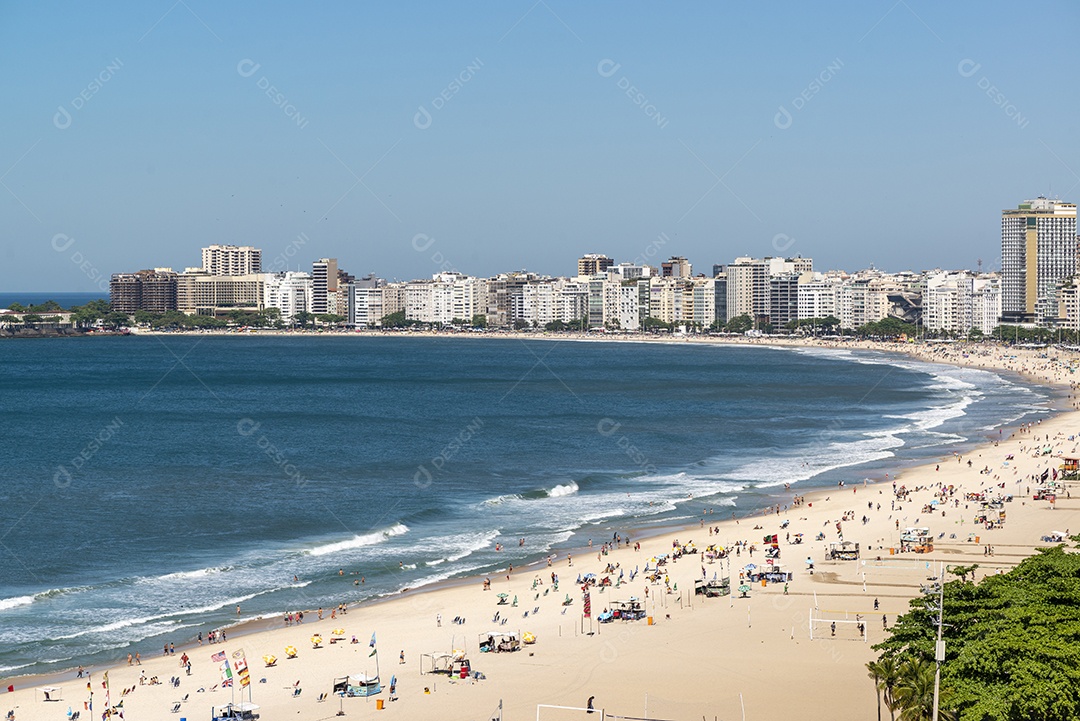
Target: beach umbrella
(290, 651)
(269, 660)
(338, 632)
(744, 589)
(316, 640)
(528, 637)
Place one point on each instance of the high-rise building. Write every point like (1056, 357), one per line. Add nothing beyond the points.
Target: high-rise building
(593, 264)
(231, 260)
(149, 290)
(324, 284)
(1038, 253)
(676, 267)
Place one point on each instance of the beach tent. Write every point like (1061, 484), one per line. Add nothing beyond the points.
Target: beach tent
(49, 693)
(438, 662)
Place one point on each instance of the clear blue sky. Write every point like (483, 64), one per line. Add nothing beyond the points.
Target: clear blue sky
(899, 157)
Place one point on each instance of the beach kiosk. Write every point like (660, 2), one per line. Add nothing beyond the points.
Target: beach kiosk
(844, 551)
(232, 711)
(918, 540)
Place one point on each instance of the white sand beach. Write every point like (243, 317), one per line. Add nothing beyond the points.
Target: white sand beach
(700, 657)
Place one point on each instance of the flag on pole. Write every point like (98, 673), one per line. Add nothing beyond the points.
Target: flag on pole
(218, 657)
(372, 644)
(588, 605)
(240, 664)
(226, 675)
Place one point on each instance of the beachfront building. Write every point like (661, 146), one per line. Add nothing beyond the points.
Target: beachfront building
(290, 292)
(818, 294)
(703, 302)
(324, 283)
(366, 302)
(593, 264)
(1038, 253)
(201, 293)
(231, 260)
(540, 302)
(720, 312)
(750, 288)
(149, 290)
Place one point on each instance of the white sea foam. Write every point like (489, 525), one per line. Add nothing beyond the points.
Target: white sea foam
(15, 602)
(567, 489)
(359, 541)
(170, 617)
(199, 573)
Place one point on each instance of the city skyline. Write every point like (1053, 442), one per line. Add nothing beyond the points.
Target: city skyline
(507, 136)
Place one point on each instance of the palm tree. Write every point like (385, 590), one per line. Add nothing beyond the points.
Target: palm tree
(873, 669)
(888, 676)
(914, 691)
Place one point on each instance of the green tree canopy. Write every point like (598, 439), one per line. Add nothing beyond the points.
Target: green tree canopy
(1011, 642)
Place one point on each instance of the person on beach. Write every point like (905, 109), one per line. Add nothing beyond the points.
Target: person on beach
(129, 659)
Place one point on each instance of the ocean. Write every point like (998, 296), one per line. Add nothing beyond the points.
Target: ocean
(66, 299)
(149, 485)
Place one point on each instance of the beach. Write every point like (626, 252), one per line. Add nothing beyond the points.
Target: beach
(698, 657)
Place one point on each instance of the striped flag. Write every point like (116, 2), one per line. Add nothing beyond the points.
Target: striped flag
(240, 664)
(226, 675)
(588, 605)
(218, 657)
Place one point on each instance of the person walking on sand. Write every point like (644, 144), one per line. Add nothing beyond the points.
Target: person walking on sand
(438, 620)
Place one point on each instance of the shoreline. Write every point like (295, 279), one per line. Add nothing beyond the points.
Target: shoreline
(252, 630)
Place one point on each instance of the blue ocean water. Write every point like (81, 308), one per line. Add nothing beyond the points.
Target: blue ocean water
(66, 299)
(149, 485)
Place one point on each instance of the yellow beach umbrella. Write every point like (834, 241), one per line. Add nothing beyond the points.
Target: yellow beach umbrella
(316, 640)
(528, 637)
(338, 632)
(270, 660)
(290, 651)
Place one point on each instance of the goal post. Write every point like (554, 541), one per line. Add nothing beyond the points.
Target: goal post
(827, 624)
(566, 713)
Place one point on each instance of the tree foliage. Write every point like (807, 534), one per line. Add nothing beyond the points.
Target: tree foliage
(1011, 642)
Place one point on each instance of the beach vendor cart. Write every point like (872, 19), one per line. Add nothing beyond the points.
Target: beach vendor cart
(844, 551)
(713, 587)
(232, 711)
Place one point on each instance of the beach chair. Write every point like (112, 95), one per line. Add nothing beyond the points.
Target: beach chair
(322, 697)
(184, 700)
(176, 707)
(296, 692)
